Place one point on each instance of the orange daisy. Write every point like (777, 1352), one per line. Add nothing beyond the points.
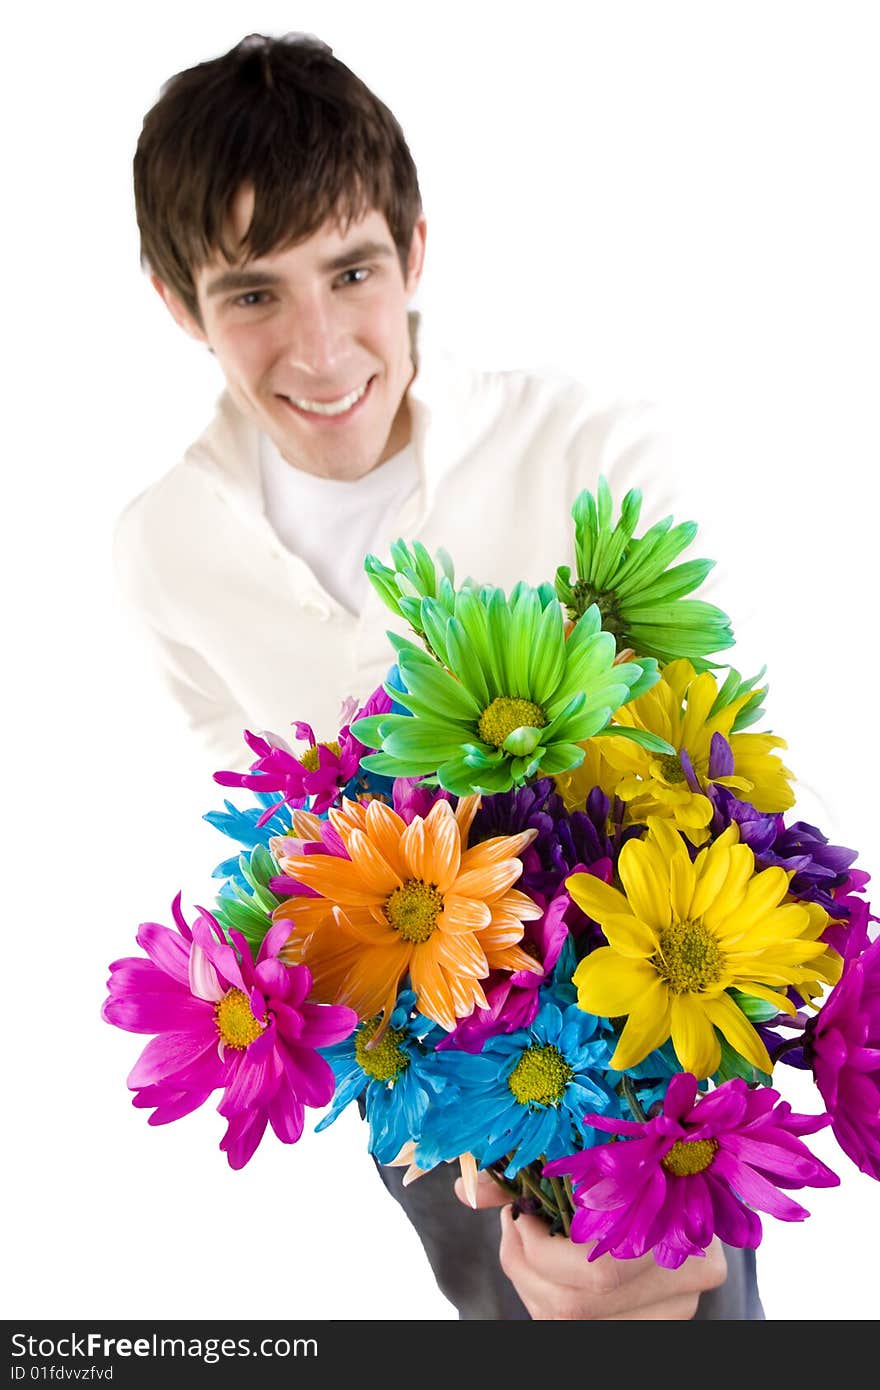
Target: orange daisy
(409, 900)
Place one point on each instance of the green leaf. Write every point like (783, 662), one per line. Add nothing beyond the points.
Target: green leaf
(756, 1010)
(732, 689)
(653, 742)
(252, 923)
(733, 1065)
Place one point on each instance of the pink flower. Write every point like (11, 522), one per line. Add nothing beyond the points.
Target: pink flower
(698, 1170)
(317, 776)
(224, 1021)
(842, 1044)
(411, 798)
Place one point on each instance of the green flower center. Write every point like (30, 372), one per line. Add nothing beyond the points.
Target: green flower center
(412, 910)
(689, 1156)
(235, 1020)
(309, 758)
(507, 713)
(540, 1076)
(387, 1059)
(584, 595)
(670, 767)
(689, 959)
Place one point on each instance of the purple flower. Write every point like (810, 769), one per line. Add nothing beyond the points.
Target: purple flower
(849, 934)
(564, 840)
(697, 1170)
(818, 867)
(317, 776)
(222, 1020)
(842, 1045)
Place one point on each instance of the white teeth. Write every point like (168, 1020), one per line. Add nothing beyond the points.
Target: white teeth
(331, 407)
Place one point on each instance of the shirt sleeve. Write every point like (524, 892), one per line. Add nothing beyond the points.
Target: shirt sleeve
(212, 713)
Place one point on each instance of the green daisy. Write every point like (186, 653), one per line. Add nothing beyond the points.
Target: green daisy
(412, 576)
(508, 697)
(641, 601)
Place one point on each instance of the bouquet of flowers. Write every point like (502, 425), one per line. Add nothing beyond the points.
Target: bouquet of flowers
(539, 908)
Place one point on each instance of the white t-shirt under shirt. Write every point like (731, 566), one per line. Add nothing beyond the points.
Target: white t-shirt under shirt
(333, 525)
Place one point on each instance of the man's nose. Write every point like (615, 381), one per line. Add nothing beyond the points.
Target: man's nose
(314, 338)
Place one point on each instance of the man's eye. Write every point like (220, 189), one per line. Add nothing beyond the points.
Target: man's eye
(251, 299)
(361, 272)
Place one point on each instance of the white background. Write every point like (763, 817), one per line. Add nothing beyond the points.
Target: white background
(674, 201)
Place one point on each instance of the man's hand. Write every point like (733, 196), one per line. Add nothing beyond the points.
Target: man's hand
(556, 1282)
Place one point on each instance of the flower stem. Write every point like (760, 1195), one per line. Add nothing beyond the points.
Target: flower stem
(569, 1191)
(561, 1200)
(632, 1099)
(509, 1187)
(534, 1186)
(789, 1045)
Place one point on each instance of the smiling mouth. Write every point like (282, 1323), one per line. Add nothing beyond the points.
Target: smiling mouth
(329, 410)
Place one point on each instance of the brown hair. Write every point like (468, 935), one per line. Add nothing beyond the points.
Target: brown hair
(286, 117)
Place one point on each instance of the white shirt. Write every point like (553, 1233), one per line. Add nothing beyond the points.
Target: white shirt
(333, 525)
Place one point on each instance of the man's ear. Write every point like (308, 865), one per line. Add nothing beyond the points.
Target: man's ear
(416, 258)
(178, 310)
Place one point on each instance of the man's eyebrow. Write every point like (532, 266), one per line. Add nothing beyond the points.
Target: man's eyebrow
(250, 278)
(242, 279)
(364, 251)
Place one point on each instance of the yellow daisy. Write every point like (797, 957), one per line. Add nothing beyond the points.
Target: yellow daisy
(595, 771)
(681, 935)
(409, 900)
(680, 709)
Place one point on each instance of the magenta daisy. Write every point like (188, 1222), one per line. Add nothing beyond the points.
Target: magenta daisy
(697, 1170)
(842, 1044)
(319, 774)
(223, 1020)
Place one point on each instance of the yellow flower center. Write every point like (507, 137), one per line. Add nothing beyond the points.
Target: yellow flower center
(309, 758)
(235, 1020)
(413, 908)
(540, 1076)
(505, 714)
(689, 1156)
(689, 959)
(670, 767)
(387, 1059)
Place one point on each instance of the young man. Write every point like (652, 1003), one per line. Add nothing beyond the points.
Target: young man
(281, 222)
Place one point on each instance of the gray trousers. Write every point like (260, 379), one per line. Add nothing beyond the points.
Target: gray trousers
(462, 1248)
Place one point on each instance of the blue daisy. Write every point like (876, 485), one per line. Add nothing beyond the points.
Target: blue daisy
(240, 824)
(524, 1096)
(394, 1077)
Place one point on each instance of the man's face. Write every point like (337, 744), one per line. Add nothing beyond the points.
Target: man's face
(314, 341)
